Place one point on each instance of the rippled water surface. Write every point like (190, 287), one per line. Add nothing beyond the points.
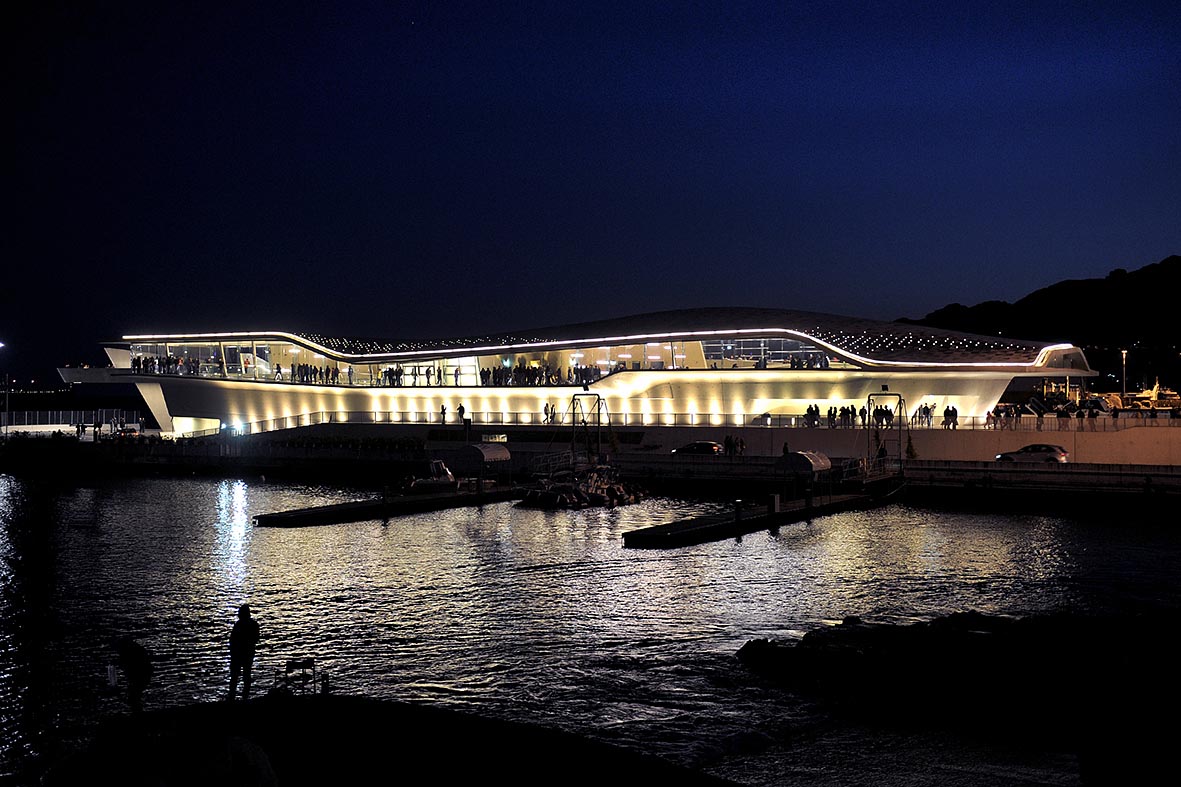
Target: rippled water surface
(502, 611)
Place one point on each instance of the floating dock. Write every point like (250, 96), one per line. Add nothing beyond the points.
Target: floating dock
(739, 522)
(362, 510)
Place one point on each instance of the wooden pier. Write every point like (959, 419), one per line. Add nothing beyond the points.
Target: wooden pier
(741, 521)
(401, 505)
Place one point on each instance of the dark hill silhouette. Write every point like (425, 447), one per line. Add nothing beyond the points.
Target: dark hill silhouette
(1132, 310)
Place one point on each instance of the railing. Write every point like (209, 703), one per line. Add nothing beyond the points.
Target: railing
(498, 419)
(208, 371)
(548, 463)
(1103, 423)
(69, 417)
(362, 379)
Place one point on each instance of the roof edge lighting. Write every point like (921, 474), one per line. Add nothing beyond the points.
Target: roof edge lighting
(640, 338)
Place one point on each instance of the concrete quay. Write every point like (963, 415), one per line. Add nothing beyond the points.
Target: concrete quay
(1137, 443)
(390, 451)
(1083, 478)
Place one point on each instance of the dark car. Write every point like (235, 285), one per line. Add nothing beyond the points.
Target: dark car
(1038, 452)
(700, 448)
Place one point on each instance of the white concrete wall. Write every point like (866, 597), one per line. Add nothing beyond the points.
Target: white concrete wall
(1141, 445)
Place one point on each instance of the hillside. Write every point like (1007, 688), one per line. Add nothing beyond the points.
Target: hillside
(1132, 310)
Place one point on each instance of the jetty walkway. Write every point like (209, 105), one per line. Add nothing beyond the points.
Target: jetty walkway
(384, 508)
(744, 519)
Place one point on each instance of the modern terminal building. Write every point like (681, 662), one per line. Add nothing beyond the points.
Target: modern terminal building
(713, 366)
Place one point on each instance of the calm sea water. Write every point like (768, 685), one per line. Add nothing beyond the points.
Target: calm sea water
(526, 615)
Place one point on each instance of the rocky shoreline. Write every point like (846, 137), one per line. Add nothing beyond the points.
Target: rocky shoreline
(1104, 687)
(336, 739)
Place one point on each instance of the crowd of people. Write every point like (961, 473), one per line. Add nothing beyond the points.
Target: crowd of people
(808, 361)
(733, 446)
(311, 375)
(522, 374)
(1004, 416)
(849, 417)
(168, 364)
(397, 376)
(880, 417)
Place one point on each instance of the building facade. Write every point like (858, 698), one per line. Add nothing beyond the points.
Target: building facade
(715, 366)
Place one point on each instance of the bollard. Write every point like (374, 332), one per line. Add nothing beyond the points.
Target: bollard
(737, 511)
(773, 504)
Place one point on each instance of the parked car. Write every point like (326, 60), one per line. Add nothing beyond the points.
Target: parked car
(1038, 452)
(700, 448)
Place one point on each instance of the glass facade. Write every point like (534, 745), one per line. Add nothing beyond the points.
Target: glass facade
(767, 353)
(269, 360)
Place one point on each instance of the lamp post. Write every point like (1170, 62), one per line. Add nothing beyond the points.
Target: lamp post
(1124, 387)
(5, 399)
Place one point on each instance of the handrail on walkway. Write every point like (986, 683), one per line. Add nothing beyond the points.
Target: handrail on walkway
(1026, 424)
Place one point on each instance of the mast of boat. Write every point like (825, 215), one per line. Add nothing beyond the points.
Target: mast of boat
(579, 420)
(894, 431)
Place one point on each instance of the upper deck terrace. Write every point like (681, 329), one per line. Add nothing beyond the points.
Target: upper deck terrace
(713, 338)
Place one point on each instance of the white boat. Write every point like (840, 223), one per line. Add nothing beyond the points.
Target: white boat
(439, 479)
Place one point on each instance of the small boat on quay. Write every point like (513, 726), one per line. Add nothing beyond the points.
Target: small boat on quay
(595, 486)
(437, 479)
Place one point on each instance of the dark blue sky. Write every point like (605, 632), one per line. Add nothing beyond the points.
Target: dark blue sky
(418, 169)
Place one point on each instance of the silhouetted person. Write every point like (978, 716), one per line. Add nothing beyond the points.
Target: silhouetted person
(137, 669)
(243, 641)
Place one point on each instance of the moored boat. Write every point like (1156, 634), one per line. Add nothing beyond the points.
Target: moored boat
(597, 486)
(438, 479)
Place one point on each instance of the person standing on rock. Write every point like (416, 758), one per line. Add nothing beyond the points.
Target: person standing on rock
(243, 641)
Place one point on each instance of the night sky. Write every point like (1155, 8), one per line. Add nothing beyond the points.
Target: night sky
(411, 169)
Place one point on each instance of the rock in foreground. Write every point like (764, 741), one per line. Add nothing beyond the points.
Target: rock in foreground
(1093, 684)
(324, 739)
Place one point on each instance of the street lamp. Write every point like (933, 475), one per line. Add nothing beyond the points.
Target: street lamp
(1124, 394)
(5, 398)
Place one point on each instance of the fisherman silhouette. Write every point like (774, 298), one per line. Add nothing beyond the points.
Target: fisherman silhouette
(243, 641)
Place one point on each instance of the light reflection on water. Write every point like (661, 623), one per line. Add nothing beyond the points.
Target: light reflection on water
(517, 613)
(233, 538)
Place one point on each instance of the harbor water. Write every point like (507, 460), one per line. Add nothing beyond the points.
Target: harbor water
(530, 615)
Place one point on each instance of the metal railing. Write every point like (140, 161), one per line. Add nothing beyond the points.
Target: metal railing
(497, 419)
(548, 463)
(69, 417)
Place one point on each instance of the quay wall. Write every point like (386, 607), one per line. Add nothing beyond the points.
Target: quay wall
(1136, 445)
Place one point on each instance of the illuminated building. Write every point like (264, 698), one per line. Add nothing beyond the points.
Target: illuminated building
(716, 366)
